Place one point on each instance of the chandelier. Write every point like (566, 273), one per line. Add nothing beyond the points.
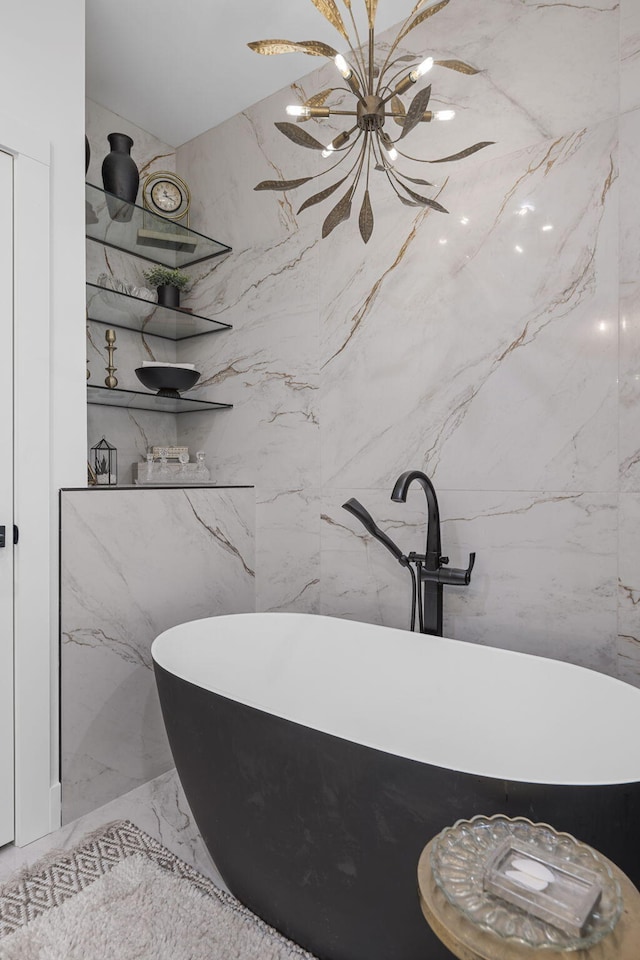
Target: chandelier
(377, 87)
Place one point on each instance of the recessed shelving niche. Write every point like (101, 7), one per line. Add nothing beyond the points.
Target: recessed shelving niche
(134, 230)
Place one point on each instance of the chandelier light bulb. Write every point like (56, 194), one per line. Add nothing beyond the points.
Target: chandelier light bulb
(391, 153)
(342, 66)
(328, 150)
(421, 69)
(297, 110)
(444, 114)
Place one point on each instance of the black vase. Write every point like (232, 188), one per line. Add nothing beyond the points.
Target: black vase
(120, 177)
(168, 295)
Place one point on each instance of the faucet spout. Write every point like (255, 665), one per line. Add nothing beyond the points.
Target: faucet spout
(433, 549)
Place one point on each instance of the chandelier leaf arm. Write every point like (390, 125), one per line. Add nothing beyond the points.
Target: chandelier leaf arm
(365, 220)
(372, 8)
(282, 184)
(300, 137)
(386, 168)
(436, 8)
(421, 183)
(416, 111)
(358, 44)
(329, 10)
(294, 184)
(339, 213)
(458, 65)
(408, 26)
(323, 194)
(398, 107)
(319, 99)
(463, 153)
(313, 48)
(418, 198)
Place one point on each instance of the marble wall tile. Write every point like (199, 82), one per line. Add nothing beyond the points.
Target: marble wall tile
(629, 55)
(543, 581)
(629, 387)
(537, 60)
(445, 345)
(133, 564)
(288, 550)
(630, 197)
(629, 589)
(131, 432)
(476, 346)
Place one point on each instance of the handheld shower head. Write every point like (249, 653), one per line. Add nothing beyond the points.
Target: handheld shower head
(354, 507)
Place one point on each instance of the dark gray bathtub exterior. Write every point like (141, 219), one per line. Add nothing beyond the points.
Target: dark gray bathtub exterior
(321, 837)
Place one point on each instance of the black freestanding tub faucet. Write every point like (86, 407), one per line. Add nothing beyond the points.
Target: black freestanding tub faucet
(429, 575)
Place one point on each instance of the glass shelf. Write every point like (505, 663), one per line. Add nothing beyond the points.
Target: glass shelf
(134, 313)
(137, 400)
(131, 228)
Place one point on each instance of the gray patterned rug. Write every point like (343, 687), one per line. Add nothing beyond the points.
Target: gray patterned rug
(120, 895)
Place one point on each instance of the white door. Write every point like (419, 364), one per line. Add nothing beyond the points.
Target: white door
(6, 501)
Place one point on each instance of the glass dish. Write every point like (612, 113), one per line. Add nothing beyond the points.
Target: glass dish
(458, 858)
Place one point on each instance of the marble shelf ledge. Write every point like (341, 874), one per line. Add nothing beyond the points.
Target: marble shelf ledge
(163, 486)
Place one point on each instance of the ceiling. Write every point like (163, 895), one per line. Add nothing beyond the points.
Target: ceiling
(178, 69)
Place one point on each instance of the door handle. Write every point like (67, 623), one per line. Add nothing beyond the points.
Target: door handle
(3, 535)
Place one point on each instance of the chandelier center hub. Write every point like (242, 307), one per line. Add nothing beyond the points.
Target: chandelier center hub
(370, 113)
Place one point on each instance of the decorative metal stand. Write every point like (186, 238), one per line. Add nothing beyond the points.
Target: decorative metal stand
(110, 380)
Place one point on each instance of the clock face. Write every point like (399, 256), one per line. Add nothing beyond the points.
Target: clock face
(166, 196)
(165, 193)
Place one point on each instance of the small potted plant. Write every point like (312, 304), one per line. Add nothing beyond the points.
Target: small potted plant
(168, 282)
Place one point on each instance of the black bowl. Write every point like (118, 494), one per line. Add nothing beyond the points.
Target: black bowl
(167, 381)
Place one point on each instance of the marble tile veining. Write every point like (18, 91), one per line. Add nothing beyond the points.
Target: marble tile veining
(629, 55)
(543, 581)
(629, 589)
(133, 564)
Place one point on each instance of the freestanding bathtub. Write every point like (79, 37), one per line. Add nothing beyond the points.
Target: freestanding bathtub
(320, 755)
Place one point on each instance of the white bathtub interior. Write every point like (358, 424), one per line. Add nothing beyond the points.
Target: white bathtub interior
(466, 707)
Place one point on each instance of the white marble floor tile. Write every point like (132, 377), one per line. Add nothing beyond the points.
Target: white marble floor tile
(158, 807)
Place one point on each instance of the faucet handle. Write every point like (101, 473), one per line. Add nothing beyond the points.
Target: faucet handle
(444, 561)
(454, 577)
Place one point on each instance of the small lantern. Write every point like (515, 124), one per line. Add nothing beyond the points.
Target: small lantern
(104, 461)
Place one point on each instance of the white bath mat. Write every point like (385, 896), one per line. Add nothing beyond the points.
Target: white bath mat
(120, 895)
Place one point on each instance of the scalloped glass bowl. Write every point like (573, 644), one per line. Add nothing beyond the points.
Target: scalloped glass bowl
(458, 858)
